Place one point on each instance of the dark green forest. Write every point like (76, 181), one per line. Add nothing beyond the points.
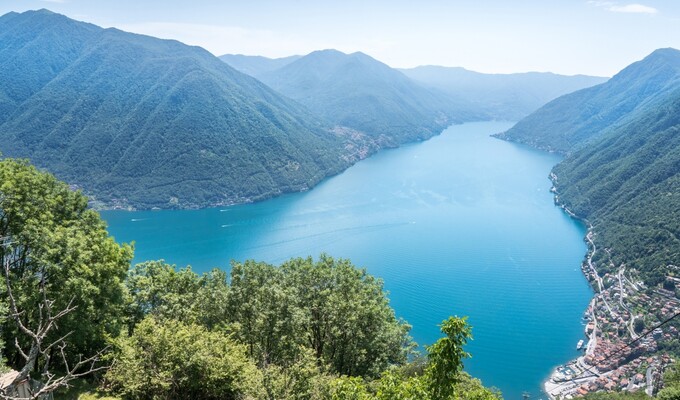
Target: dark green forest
(622, 172)
(144, 122)
(627, 185)
(307, 329)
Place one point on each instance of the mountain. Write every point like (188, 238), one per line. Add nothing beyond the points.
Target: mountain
(502, 96)
(135, 120)
(256, 65)
(568, 122)
(359, 92)
(627, 184)
(622, 172)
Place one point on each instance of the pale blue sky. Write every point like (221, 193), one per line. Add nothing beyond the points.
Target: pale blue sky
(562, 36)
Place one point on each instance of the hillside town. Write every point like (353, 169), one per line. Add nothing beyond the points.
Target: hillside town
(624, 346)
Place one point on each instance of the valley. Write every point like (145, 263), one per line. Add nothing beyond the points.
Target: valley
(340, 224)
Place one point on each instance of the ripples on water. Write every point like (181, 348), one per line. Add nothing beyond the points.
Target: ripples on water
(462, 224)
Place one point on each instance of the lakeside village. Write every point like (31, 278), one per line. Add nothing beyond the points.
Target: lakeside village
(616, 355)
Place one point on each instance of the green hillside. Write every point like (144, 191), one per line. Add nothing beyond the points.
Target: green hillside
(359, 92)
(627, 184)
(135, 120)
(622, 172)
(566, 123)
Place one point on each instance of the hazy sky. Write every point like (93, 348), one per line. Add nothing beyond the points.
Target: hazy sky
(562, 36)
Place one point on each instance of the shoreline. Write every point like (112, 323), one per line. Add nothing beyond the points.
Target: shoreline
(609, 363)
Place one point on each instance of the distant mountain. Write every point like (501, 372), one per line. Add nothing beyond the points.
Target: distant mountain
(502, 96)
(622, 173)
(256, 65)
(359, 92)
(568, 122)
(136, 120)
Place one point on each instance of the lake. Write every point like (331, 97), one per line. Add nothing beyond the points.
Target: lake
(462, 224)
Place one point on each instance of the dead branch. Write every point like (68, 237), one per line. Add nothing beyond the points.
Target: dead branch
(40, 347)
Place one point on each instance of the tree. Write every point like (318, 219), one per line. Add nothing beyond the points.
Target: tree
(639, 325)
(168, 359)
(54, 244)
(330, 306)
(41, 348)
(265, 313)
(445, 358)
(346, 316)
(671, 390)
(159, 289)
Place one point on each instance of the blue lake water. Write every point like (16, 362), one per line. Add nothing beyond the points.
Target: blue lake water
(462, 224)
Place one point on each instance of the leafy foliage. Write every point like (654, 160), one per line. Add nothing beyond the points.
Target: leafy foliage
(158, 289)
(53, 241)
(135, 120)
(316, 329)
(446, 358)
(329, 307)
(173, 360)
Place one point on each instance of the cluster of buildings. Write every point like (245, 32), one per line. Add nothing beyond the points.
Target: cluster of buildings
(621, 355)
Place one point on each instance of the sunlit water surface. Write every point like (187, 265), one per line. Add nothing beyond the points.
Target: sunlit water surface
(462, 224)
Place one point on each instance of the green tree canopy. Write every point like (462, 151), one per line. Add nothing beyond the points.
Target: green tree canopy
(339, 311)
(168, 359)
(52, 240)
(446, 358)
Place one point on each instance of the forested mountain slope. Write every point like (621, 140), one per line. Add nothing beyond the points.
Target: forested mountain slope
(359, 92)
(140, 121)
(627, 184)
(622, 173)
(568, 122)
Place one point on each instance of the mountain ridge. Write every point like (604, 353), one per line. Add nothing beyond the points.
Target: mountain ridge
(144, 122)
(572, 120)
(359, 92)
(502, 96)
(622, 167)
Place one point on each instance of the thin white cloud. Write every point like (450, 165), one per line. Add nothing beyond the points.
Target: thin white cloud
(627, 8)
(54, 1)
(633, 8)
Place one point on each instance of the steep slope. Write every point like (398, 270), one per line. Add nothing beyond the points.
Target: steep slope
(502, 96)
(147, 122)
(568, 122)
(357, 91)
(627, 184)
(256, 65)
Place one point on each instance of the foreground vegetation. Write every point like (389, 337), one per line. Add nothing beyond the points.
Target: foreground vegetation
(308, 329)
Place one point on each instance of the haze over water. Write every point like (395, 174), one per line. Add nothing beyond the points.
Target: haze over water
(462, 224)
